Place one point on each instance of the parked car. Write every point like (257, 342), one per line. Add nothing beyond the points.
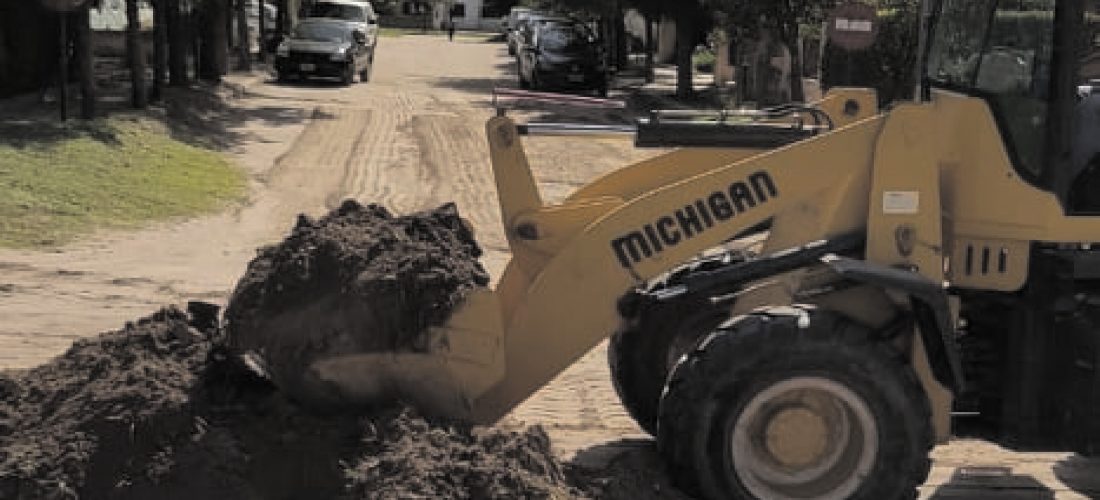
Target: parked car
(360, 13)
(509, 22)
(525, 29)
(563, 55)
(520, 28)
(325, 47)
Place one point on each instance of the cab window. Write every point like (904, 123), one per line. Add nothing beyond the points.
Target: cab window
(1083, 165)
(1002, 51)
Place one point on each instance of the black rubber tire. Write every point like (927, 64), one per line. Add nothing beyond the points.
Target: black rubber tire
(603, 89)
(364, 76)
(642, 354)
(710, 387)
(348, 77)
(523, 82)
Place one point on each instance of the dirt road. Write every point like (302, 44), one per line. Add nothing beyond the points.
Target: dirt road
(410, 139)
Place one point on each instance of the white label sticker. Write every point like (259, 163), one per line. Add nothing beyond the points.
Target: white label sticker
(900, 202)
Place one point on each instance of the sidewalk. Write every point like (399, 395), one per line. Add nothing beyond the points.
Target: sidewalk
(643, 97)
(661, 92)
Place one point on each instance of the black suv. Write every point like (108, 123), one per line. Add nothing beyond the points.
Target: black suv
(563, 55)
(325, 47)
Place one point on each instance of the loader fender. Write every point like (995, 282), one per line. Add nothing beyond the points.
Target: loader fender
(930, 308)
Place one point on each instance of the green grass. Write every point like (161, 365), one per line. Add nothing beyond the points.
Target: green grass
(478, 36)
(59, 181)
(704, 61)
(395, 32)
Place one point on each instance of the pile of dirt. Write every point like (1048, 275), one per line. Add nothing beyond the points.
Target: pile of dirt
(158, 410)
(67, 425)
(408, 457)
(164, 408)
(358, 280)
(625, 471)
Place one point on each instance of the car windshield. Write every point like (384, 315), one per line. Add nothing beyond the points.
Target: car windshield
(561, 37)
(338, 11)
(322, 32)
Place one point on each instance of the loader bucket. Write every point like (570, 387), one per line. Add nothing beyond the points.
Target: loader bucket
(313, 362)
(361, 307)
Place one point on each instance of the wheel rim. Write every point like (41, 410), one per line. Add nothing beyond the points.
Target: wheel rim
(805, 437)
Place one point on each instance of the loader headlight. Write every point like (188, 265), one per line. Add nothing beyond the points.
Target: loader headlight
(338, 56)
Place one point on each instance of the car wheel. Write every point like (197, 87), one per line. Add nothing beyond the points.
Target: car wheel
(602, 89)
(364, 76)
(349, 74)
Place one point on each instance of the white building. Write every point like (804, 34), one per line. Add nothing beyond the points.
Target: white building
(467, 13)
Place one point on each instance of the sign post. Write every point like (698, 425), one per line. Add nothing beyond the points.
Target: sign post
(852, 26)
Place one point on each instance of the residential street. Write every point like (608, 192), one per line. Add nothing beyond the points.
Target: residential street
(410, 139)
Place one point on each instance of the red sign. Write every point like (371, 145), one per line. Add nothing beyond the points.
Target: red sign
(853, 26)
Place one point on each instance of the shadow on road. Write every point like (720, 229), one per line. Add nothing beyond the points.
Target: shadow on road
(42, 133)
(1080, 474)
(479, 85)
(629, 469)
(208, 119)
(315, 83)
(983, 483)
(201, 115)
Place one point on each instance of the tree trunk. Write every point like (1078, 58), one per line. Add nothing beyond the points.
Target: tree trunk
(160, 49)
(63, 22)
(685, 47)
(281, 18)
(135, 56)
(244, 46)
(650, 47)
(214, 55)
(29, 35)
(194, 37)
(622, 48)
(790, 39)
(229, 33)
(83, 49)
(178, 44)
(261, 33)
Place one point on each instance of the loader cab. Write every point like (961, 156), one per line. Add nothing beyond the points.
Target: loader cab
(1033, 62)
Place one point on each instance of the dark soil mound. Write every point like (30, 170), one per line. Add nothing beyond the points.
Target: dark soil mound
(358, 280)
(409, 270)
(405, 457)
(623, 471)
(158, 410)
(66, 426)
(161, 409)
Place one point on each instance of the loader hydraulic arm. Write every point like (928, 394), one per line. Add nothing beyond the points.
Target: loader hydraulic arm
(571, 262)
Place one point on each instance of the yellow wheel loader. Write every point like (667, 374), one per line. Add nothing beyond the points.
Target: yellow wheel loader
(799, 299)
